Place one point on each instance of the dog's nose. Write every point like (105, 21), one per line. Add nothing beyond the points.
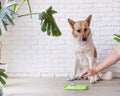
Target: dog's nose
(84, 39)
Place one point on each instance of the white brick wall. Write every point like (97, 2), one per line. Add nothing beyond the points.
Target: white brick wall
(30, 53)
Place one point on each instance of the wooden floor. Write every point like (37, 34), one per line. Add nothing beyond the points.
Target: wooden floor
(54, 87)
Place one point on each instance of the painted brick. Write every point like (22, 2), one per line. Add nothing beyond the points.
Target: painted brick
(47, 75)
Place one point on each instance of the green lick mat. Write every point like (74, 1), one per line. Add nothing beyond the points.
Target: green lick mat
(75, 87)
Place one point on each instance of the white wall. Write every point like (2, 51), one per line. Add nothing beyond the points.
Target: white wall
(31, 53)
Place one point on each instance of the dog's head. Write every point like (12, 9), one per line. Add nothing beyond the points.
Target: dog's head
(81, 29)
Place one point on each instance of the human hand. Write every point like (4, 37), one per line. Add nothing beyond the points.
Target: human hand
(87, 72)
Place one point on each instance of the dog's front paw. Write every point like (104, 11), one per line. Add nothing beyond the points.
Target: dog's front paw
(100, 75)
(93, 80)
(73, 78)
(69, 79)
(97, 78)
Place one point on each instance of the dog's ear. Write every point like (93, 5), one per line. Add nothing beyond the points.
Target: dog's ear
(71, 22)
(88, 20)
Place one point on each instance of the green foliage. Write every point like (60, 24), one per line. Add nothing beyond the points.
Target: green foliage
(3, 76)
(117, 37)
(48, 22)
(6, 15)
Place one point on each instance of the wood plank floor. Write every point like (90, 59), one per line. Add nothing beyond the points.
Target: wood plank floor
(54, 87)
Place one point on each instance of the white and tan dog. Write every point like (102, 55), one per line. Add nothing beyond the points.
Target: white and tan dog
(85, 50)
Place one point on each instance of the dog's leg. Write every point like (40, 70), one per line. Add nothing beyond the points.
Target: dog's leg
(80, 69)
(100, 75)
(96, 77)
(91, 66)
(75, 71)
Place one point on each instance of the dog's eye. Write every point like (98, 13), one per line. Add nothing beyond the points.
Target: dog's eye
(78, 30)
(85, 29)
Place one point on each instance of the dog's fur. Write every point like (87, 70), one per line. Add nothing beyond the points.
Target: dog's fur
(85, 50)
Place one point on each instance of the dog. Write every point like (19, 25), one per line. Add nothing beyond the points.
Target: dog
(85, 51)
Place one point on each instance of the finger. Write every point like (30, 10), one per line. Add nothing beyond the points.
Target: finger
(87, 74)
(81, 77)
(83, 73)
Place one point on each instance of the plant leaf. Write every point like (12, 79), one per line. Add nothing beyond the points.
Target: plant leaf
(50, 25)
(2, 81)
(12, 13)
(49, 29)
(3, 75)
(42, 16)
(8, 20)
(2, 70)
(44, 24)
(117, 37)
(50, 11)
(3, 25)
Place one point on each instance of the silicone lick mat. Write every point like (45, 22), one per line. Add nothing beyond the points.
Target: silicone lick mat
(75, 87)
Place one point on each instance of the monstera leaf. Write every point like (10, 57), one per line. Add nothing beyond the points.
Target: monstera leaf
(3, 76)
(48, 23)
(6, 15)
(117, 37)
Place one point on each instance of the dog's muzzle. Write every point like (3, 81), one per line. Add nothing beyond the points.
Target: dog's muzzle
(84, 39)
